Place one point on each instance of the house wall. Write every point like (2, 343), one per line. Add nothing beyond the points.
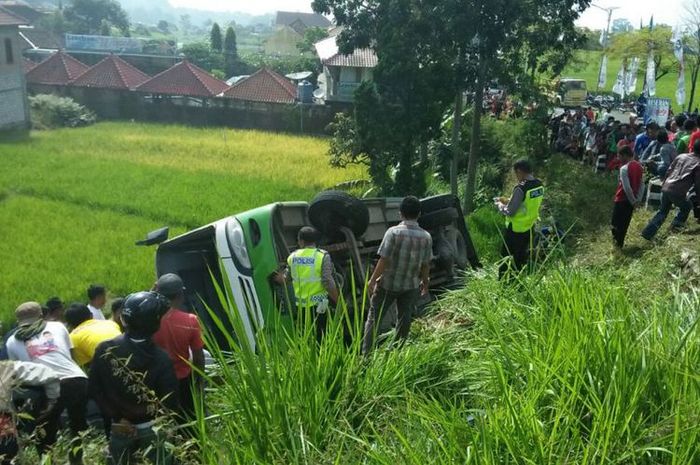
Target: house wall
(343, 81)
(14, 112)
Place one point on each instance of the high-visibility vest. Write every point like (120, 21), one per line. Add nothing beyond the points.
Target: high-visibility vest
(306, 271)
(529, 211)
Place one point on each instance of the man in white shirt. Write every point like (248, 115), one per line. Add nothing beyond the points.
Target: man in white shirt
(97, 297)
(48, 343)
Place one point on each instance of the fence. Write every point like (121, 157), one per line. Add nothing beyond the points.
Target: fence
(219, 111)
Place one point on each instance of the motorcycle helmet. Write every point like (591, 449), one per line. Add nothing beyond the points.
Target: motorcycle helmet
(142, 313)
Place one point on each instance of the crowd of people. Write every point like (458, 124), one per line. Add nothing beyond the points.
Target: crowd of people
(142, 363)
(642, 154)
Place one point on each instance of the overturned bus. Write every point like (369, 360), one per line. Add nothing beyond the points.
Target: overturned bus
(243, 251)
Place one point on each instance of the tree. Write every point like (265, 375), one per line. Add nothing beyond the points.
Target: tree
(201, 54)
(186, 24)
(105, 28)
(311, 36)
(163, 26)
(87, 16)
(692, 41)
(231, 60)
(620, 25)
(638, 43)
(215, 39)
(454, 46)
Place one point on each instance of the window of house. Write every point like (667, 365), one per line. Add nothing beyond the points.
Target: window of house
(9, 56)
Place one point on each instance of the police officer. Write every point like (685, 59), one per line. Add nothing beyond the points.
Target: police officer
(311, 272)
(522, 211)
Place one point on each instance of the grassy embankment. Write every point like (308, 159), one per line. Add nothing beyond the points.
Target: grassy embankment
(72, 202)
(586, 65)
(593, 359)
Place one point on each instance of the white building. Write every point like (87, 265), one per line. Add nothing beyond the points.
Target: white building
(14, 109)
(343, 74)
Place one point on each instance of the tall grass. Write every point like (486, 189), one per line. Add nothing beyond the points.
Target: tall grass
(566, 369)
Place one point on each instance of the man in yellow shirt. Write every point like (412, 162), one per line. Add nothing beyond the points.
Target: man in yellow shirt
(86, 333)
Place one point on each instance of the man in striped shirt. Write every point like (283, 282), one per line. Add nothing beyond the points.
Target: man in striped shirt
(402, 273)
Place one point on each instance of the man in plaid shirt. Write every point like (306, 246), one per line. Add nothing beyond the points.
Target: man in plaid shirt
(402, 273)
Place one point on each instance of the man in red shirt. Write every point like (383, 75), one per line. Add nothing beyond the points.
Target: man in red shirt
(694, 137)
(630, 191)
(181, 336)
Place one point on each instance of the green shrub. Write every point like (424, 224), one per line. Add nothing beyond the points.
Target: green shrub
(52, 111)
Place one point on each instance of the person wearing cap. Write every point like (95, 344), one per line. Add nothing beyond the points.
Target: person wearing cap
(16, 377)
(134, 383)
(54, 309)
(181, 336)
(97, 298)
(310, 270)
(86, 333)
(48, 343)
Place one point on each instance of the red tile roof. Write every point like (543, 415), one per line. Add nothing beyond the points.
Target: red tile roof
(7, 18)
(112, 73)
(184, 79)
(58, 69)
(264, 86)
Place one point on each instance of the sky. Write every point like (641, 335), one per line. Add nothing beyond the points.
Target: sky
(634, 10)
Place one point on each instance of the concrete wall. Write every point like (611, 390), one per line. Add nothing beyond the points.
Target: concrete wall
(121, 105)
(14, 111)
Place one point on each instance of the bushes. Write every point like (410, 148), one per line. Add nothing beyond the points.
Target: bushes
(52, 111)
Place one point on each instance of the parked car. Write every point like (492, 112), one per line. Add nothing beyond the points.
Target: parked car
(243, 251)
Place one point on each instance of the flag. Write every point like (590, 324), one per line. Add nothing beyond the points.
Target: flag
(651, 23)
(603, 38)
(641, 23)
(677, 41)
(680, 90)
(651, 75)
(602, 77)
(619, 87)
(631, 76)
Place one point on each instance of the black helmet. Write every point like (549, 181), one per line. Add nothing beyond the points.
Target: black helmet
(142, 313)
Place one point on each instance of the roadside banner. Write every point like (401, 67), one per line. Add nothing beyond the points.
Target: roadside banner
(602, 77)
(651, 75)
(620, 83)
(631, 76)
(680, 91)
(657, 110)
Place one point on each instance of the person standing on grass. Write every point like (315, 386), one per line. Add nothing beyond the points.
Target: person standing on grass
(628, 195)
(54, 309)
(134, 383)
(311, 272)
(682, 176)
(97, 298)
(181, 336)
(521, 211)
(48, 343)
(86, 333)
(402, 273)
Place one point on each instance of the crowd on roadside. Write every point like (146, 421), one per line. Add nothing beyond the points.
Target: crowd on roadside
(667, 156)
(69, 365)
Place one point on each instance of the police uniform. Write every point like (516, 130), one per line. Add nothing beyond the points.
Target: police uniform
(306, 270)
(518, 233)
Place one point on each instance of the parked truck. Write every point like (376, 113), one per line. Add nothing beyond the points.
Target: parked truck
(243, 251)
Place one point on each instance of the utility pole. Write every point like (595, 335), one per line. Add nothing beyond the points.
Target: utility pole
(606, 35)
